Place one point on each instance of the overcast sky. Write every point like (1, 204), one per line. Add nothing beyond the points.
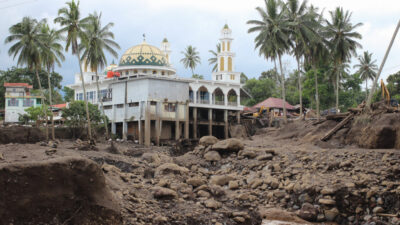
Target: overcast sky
(198, 23)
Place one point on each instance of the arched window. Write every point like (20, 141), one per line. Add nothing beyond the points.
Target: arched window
(223, 46)
(229, 63)
(221, 64)
(229, 46)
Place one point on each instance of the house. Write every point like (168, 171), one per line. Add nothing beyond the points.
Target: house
(147, 101)
(274, 105)
(57, 112)
(18, 97)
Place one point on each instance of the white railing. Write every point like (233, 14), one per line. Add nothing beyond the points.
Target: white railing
(232, 103)
(219, 103)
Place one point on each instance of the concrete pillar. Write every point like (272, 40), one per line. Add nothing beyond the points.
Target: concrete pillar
(140, 126)
(210, 122)
(209, 98)
(226, 99)
(147, 127)
(194, 96)
(226, 123)
(238, 117)
(194, 122)
(113, 128)
(238, 98)
(177, 126)
(157, 124)
(124, 130)
(186, 121)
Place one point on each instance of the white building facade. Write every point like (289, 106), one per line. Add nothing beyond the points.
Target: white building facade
(147, 101)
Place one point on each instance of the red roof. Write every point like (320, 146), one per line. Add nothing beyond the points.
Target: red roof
(273, 103)
(18, 85)
(60, 106)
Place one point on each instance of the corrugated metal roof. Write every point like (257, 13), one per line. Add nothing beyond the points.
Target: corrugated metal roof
(273, 103)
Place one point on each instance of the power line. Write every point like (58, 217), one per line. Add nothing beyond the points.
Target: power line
(18, 4)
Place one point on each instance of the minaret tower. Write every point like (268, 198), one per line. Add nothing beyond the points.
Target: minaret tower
(165, 47)
(225, 69)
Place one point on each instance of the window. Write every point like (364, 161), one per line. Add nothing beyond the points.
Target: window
(135, 71)
(229, 46)
(27, 103)
(102, 94)
(120, 106)
(163, 73)
(154, 72)
(79, 96)
(38, 101)
(229, 63)
(144, 71)
(221, 64)
(153, 103)
(170, 107)
(108, 107)
(127, 72)
(133, 104)
(90, 95)
(218, 77)
(13, 102)
(232, 77)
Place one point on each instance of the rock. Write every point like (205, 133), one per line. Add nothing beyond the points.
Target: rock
(208, 140)
(151, 158)
(308, 212)
(212, 156)
(221, 179)
(330, 214)
(272, 182)
(346, 163)
(1, 156)
(328, 191)
(228, 145)
(50, 151)
(195, 181)
(248, 153)
(164, 193)
(304, 198)
(233, 184)
(325, 201)
(239, 219)
(167, 168)
(202, 193)
(378, 209)
(267, 156)
(255, 183)
(212, 204)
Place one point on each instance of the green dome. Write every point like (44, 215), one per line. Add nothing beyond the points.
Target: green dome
(143, 54)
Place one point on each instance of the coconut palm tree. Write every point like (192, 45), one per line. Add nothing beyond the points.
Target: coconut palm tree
(71, 23)
(52, 54)
(27, 45)
(302, 30)
(214, 59)
(273, 36)
(342, 41)
(367, 69)
(191, 58)
(98, 39)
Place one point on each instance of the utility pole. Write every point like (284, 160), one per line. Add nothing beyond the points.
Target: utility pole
(381, 67)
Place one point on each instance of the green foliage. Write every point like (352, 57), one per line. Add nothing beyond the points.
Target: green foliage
(198, 76)
(214, 59)
(24, 75)
(75, 114)
(243, 78)
(393, 85)
(190, 58)
(68, 94)
(34, 114)
(259, 90)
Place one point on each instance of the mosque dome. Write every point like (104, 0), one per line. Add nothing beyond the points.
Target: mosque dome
(143, 54)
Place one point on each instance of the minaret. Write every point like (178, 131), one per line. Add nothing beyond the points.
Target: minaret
(225, 70)
(165, 48)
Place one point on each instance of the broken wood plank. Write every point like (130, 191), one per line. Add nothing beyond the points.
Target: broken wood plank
(337, 116)
(355, 110)
(337, 127)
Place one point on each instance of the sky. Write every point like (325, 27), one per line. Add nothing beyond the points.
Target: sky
(198, 23)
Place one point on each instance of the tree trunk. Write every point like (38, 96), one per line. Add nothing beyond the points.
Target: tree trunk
(337, 87)
(43, 101)
(283, 90)
(300, 91)
(50, 103)
(316, 91)
(84, 96)
(101, 105)
(277, 77)
(366, 89)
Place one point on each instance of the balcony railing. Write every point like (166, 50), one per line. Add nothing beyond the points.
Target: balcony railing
(232, 103)
(107, 99)
(204, 101)
(219, 103)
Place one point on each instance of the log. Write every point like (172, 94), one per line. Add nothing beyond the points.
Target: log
(337, 127)
(337, 116)
(355, 110)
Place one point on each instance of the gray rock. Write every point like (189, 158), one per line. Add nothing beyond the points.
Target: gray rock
(208, 140)
(212, 156)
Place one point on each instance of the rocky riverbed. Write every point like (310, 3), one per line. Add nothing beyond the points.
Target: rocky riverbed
(265, 180)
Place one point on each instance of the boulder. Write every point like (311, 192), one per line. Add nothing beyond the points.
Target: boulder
(208, 140)
(212, 156)
(228, 145)
(212, 204)
(167, 168)
(233, 184)
(164, 193)
(308, 212)
(221, 180)
(325, 201)
(195, 181)
(330, 214)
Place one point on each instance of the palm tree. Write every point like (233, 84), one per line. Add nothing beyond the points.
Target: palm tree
(367, 69)
(273, 36)
(52, 54)
(191, 58)
(342, 41)
(71, 23)
(28, 45)
(302, 31)
(214, 59)
(98, 39)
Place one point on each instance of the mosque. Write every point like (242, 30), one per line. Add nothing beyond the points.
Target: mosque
(147, 101)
